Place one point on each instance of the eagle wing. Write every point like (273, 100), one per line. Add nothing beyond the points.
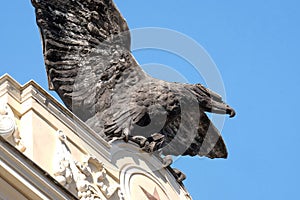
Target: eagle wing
(82, 40)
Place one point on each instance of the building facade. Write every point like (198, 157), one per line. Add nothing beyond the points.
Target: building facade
(48, 153)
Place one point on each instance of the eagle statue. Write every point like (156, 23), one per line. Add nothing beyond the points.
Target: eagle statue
(86, 48)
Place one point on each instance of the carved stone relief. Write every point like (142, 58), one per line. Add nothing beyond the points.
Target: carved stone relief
(88, 177)
(9, 128)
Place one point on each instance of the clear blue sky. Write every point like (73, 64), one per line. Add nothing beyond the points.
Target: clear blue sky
(255, 45)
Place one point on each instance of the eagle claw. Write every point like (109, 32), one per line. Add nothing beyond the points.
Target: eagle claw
(150, 144)
(180, 176)
(167, 161)
(140, 140)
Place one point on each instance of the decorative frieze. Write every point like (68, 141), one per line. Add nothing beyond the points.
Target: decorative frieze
(88, 177)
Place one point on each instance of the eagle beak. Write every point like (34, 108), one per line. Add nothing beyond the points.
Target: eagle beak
(231, 112)
(210, 101)
(221, 108)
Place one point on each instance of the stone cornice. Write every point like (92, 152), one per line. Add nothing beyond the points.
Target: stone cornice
(29, 178)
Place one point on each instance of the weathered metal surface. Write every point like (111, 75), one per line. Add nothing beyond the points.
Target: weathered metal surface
(86, 46)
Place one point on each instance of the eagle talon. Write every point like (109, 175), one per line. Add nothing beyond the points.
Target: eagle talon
(126, 135)
(153, 143)
(140, 140)
(126, 138)
(167, 161)
(180, 176)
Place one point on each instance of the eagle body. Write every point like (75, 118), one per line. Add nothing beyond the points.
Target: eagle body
(86, 47)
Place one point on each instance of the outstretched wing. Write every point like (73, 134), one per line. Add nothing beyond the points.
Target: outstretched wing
(86, 47)
(83, 42)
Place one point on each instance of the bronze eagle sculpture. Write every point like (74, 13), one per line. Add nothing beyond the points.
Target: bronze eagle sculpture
(86, 47)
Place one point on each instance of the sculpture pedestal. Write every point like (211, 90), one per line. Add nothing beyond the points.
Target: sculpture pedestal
(48, 153)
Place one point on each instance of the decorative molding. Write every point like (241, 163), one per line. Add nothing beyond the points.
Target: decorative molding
(7, 121)
(31, 90)
(135, 179)
(8, 126)
(89, 176)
